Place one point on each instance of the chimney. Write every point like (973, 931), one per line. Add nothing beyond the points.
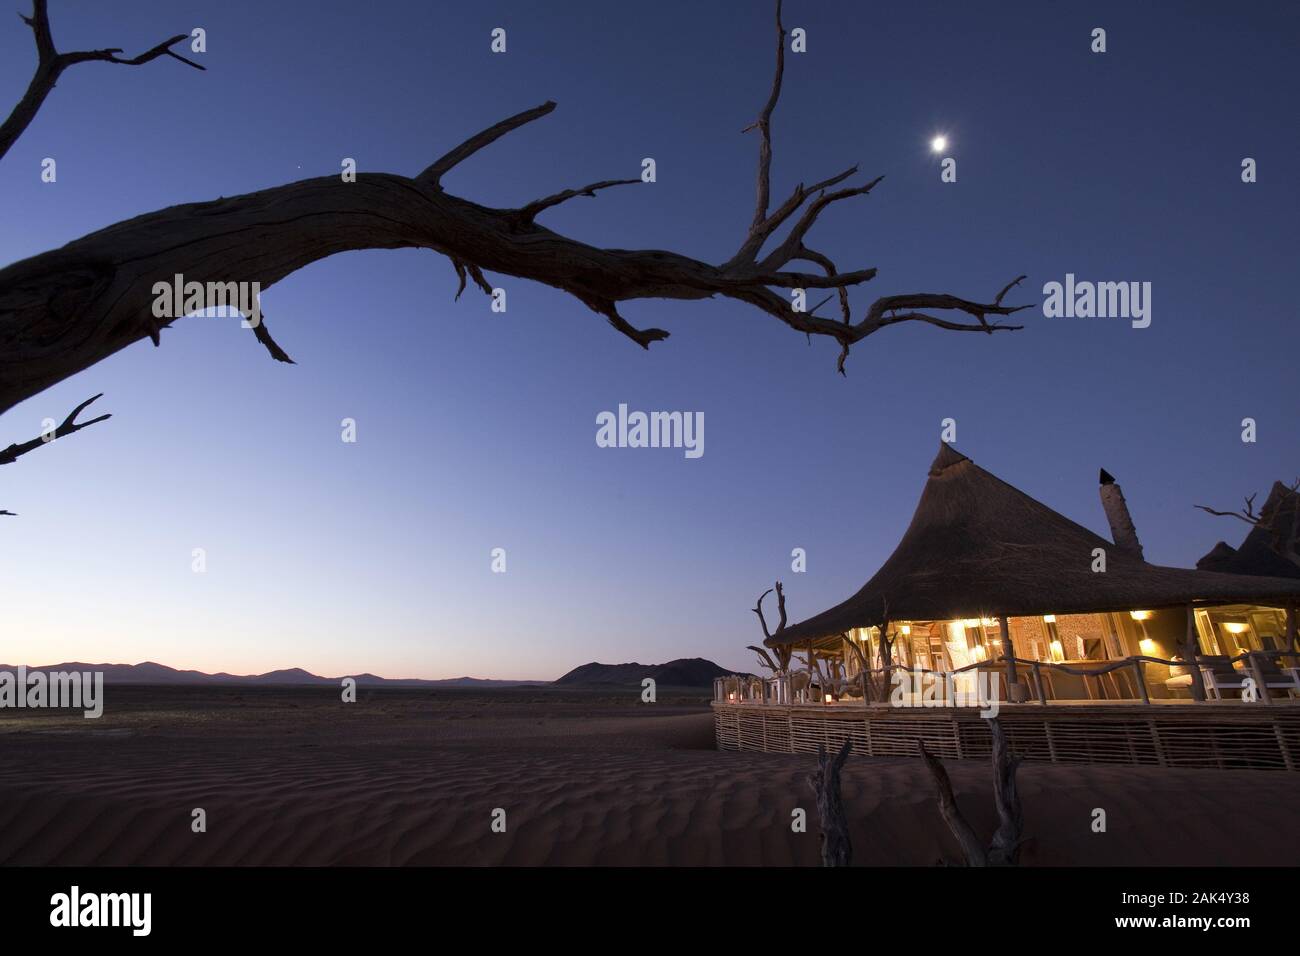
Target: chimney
(1121, 524)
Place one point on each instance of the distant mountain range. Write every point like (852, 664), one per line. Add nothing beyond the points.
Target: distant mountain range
(151, 673)
(686, 672)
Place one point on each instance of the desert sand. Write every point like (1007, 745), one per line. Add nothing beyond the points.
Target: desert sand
(295, 777)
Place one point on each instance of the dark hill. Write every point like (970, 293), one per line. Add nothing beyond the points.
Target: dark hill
(152, 673)
(686, 672)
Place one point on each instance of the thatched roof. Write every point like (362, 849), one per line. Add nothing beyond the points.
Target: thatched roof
(1256, 554)
(978, 547)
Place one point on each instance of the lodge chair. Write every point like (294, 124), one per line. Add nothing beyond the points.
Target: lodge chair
(1180, 677)
(1277, 677)
(1219, 675)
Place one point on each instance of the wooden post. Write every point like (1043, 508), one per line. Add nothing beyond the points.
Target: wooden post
(1009, 652)
(886, 659)
(811, 663)
(1141, 680)
(1261, 682)
(1191, 651)
(1038, 683)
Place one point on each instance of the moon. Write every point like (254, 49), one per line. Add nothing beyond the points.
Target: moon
(938, 144)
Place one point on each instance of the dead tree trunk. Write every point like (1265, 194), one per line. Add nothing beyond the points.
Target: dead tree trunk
(837, 850)
(1004, 848)
(864, 668)
(783, 651)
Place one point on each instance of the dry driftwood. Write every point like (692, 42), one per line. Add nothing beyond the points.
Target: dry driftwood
(1004, 848)
(65, 310)
(837, 849)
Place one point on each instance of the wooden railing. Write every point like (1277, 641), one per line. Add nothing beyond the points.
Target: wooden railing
(778, 690)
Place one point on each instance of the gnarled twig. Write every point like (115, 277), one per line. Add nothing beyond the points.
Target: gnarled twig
(69, 425)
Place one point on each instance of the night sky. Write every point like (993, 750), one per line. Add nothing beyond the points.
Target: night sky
(477, 430)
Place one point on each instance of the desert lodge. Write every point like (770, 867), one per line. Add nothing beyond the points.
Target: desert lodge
(1098, 655)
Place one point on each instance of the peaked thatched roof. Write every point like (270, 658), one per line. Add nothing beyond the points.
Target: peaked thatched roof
(979, 547)
(1256, 554)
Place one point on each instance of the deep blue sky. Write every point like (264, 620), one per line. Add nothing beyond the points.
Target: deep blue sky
(477, 430)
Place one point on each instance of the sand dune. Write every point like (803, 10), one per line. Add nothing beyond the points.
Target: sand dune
(287, 777)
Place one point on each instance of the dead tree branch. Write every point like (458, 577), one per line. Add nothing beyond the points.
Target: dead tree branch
(783, 651)
(434, 172)
(263, 335)
(780, 609)
(764, 658)
(69, 426)
(67, 309)
(529, 212)
(50, 64)
(971, 848)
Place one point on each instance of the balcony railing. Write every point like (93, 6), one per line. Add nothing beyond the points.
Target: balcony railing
(1262, 679)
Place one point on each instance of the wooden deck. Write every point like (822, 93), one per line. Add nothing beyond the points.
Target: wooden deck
(1219, 735)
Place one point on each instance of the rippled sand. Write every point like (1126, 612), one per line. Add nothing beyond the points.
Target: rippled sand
(295, 777)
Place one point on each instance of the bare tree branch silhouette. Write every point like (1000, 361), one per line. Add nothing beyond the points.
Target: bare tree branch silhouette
(67, 309)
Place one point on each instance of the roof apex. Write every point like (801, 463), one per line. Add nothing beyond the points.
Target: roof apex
(947, 457)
